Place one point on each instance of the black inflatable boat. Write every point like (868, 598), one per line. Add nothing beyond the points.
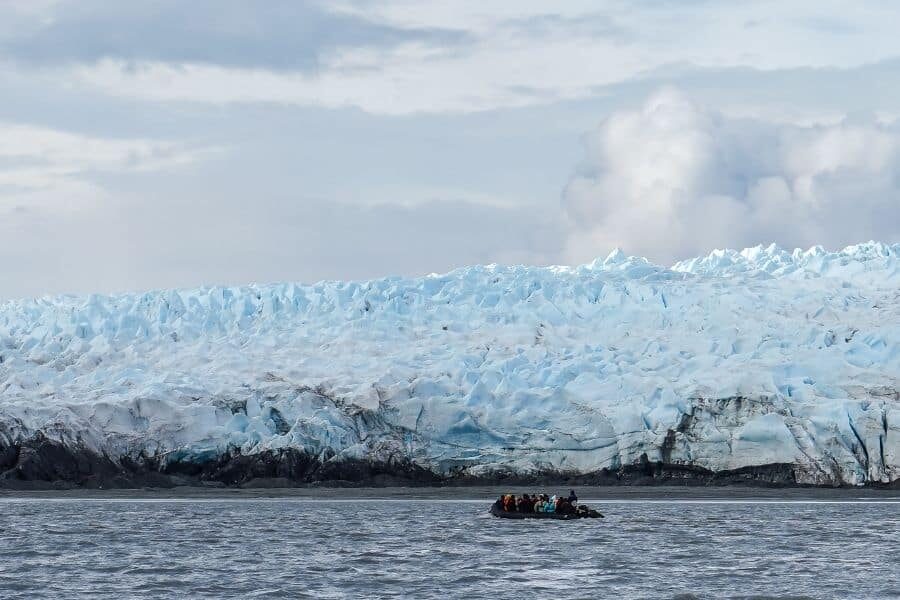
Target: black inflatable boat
(581, 514)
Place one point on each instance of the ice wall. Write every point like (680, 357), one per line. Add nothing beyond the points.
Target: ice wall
(722, 362)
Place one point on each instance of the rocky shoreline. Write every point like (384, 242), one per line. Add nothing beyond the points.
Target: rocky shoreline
(41, 463)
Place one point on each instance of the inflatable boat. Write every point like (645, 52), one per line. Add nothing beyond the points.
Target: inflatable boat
(590, 513)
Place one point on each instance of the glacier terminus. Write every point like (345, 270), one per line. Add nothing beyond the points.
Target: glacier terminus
(759, 365)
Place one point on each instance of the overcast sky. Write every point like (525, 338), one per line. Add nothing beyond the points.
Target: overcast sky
(164, 143)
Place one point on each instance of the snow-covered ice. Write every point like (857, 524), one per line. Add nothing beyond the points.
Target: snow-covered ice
(726, 361)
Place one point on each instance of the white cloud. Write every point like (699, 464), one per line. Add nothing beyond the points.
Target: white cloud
(41, 158)
(81, 152)
(674, 179)
(50, 188)
(78, 151)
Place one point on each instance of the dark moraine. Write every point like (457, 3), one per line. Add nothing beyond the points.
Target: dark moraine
(43, 463)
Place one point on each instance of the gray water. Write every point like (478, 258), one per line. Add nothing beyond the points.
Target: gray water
(357, 548)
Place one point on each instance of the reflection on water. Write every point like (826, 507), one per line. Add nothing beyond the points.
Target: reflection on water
(433, 549)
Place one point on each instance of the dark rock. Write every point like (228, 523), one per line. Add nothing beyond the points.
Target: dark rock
(41, 463)
(42, 459)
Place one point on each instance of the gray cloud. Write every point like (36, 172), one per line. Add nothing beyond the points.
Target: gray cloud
(275, 34)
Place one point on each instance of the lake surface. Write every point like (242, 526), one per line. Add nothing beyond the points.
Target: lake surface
(308, 547)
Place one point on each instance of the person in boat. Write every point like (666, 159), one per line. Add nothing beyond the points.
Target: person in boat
(565, 506)
(509, 503)
(573, 499)
(523, 504)
(550, 505)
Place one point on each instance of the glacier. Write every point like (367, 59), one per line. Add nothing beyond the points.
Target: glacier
(761, 364)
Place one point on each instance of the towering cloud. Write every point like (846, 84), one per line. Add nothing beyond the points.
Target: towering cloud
(675, 178)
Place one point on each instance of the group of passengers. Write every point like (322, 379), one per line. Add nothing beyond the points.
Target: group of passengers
(538, 503)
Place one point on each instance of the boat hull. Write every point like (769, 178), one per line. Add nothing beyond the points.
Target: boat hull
(593, 514)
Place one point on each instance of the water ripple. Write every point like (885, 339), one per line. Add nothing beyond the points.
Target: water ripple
(431, 549)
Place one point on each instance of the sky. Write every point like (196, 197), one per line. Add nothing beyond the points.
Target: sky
(165, 143)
